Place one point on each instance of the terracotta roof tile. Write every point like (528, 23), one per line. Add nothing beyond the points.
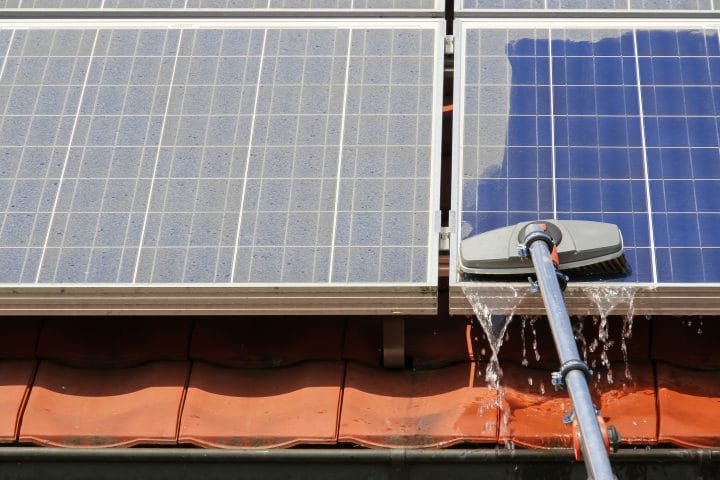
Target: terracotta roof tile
(15, 379)
(114, 342)
(267, 341)
(533, 411)
(630, 404)
(279, 407)
(79, 407)
(688, 402)
(434, 408)
(536, 410)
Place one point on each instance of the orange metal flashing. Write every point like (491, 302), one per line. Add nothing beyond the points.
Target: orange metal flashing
(435, 408)
(75, 407)
(280, 407)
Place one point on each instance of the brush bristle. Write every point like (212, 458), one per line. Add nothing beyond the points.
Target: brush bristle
(616, 266)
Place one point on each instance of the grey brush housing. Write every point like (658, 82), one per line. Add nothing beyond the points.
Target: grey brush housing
(584, 247)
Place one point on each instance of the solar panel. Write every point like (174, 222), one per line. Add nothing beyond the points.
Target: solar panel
(258, 153)
(253, 5)
(609, 124)
(627, 5)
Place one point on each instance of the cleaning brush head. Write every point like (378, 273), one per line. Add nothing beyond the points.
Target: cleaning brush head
(584, 248)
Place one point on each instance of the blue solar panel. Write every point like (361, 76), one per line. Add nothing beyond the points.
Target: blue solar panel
(613, 126)
(479, 5)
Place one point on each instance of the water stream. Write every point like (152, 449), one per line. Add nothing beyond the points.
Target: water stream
(607, 299)
(494, 317)
(494, 327)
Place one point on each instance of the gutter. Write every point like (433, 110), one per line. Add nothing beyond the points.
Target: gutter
(326, 463)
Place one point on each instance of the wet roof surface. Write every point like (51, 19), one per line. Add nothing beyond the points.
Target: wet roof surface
(266, 382)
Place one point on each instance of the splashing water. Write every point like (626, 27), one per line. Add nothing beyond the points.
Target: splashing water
(606, 299)
(495, 328)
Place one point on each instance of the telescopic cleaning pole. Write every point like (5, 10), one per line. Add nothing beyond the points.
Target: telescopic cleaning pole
(573, 373)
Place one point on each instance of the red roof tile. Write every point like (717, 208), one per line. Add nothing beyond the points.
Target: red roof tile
(536, 410)
(432, 408)
(234, 408)
(688, 404)
(15, 379)
(630, 404)
(267, 341)
(532, 410)
(114, 342)
(77, 407)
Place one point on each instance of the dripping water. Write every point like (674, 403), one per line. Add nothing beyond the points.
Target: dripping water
(607, 299)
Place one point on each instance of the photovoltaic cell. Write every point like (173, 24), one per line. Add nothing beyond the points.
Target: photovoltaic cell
(346, 5)
(618, 126)
(233, 156)
(471, 5)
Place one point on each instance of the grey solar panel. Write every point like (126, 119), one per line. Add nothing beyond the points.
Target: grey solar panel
(409, 6)
(253, 154)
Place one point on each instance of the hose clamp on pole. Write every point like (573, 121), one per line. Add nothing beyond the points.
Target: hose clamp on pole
(558, 378)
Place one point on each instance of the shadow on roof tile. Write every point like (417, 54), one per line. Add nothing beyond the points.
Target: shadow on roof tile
(114, 342)
(262, 342)
(524, 333)
(687, 341)
(430, 342)
(19, 336)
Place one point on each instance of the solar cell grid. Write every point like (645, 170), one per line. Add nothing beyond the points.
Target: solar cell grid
(309, 5)
(470, 5)
(618, 126)
(237, 155)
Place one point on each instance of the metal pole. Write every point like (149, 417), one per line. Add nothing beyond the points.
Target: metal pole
(593, 445)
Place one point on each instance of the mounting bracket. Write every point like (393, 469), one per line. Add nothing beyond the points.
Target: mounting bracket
(394, 342)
